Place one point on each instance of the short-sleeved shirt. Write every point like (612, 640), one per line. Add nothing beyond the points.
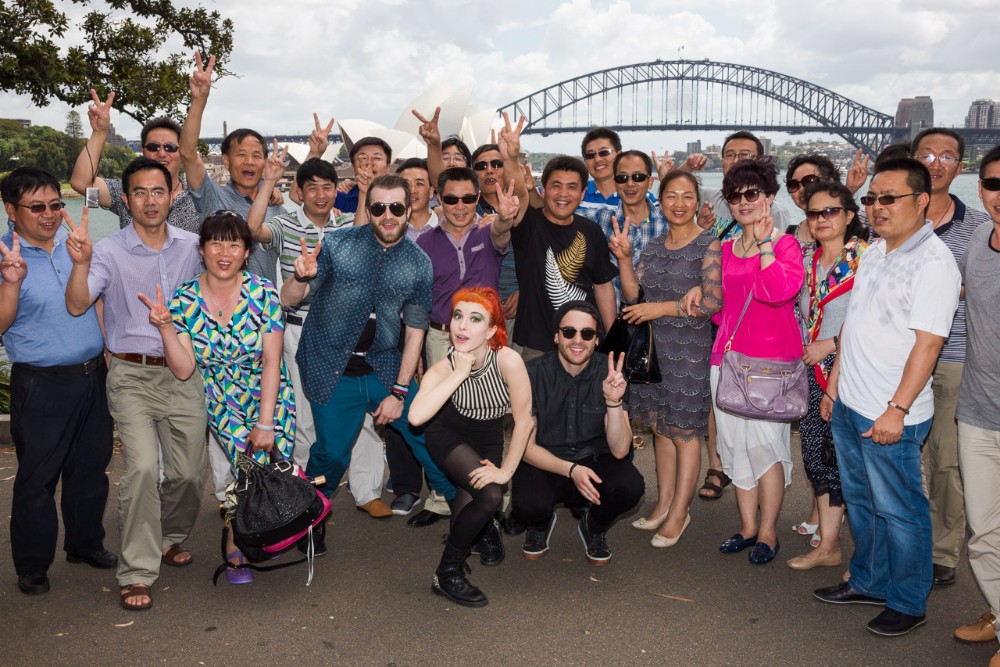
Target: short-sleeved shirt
(472, 261)
(183, 213)
(726, 227)
(979, 396)
(555, 264)
(914, 287)
(654, 226)
(594, 201)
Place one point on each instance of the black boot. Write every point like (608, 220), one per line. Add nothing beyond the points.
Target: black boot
(450, 581)
(490, 545)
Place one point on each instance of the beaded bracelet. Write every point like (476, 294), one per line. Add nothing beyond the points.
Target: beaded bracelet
(763, 241)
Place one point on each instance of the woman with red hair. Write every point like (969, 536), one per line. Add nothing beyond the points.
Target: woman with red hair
(463, 399)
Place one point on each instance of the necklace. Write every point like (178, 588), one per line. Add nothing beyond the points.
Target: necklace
(223, 306)
(744, 246)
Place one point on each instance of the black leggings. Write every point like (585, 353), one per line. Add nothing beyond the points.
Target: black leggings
(472, 508)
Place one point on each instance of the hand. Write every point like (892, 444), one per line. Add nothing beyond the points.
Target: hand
(346, 185)
(488, 474)
(260, 440)
(364, 177)
(78, 242)
(614, 385)
(306, 265)
(429, 130)
(825, 407)
(99, 113)
(201, 80)
(510, 307)
(389, 410)
(817, 351)
(509, 140)
(706, 216)
(319, 139)
(643, 312)
(529, 178)
(508, 204)
(12, 267)
(887, 429)
(584, 478)
(664, 166)
(858, 173)
(691, 302)
(619, 243)
(276, 198)
(764, 226)
(487, 219)
(694, 162)
(463, 363)
(274, 167)
(159, 314)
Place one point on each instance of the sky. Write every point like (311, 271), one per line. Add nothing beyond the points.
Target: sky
(370, 58)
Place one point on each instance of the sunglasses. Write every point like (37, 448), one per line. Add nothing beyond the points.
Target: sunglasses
(885, 200)
(484, 165)
(604, 152)
(828, 213)
(451, 200)
(637, 177)
(991, 184)
(37, 209)
(569, 333)
(155, 148)
(793, 185)
(377, 209)
(750, 195)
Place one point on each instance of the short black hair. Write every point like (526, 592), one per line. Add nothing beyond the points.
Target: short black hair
(827, 169)
(583, 307)
(939, 130)
(143, 164)
(759, 172)
(846, 198)
(163, 122)
(460, 145)
(457, 174)
(25, 180)
(646, 160)
(672, 176)
(315, 168)
(918, 178)
(391, 182)
(992, 156)
(412, 163)
(601, 133)
(744, 134)
(372, 141)
(565, 163)
(893, 151)
(225, 226)
(238, 136)
(485, 148)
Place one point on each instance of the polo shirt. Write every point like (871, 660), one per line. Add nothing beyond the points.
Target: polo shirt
(594, 201)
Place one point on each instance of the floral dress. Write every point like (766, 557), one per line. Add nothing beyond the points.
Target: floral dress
(230, 358)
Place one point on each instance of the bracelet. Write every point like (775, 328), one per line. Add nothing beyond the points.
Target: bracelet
(395, 393)
(613, 405)
(300, 279)
(571, 468)
(899, 407)
(264, 427)
(763, 241)
(403, 389)
(830, 397)
(678, 308)
(762, 253)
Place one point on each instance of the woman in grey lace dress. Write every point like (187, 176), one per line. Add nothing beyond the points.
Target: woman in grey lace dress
(685, 257)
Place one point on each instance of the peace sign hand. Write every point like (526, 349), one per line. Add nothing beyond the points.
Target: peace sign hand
(99, 112)
(78, 242)
(858, 173)
(664, 166)
(12, 267)
(429, 130)
(306, 264)
(201, 79)
(159, 314)
(274, 168)
(614, 385)
(764, 226)
(319, 139)
(619, 243)
(508, 204)
(509, 140)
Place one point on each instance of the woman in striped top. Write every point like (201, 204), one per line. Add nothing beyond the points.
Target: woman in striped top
(463, 399)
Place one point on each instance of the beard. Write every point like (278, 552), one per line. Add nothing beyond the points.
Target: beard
(388, 238)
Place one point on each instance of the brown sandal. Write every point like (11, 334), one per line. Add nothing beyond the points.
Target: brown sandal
(714, 490)
(170, 556)
(135, 590)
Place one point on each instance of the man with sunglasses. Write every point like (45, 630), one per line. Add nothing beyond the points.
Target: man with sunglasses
(879, 397)
(57, 361)
(578, 453)
(941, 150)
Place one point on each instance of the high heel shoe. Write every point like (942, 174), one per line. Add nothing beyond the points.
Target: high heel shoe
(642, 523)
(661, 542)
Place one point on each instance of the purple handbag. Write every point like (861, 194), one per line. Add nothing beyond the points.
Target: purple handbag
(754, 388)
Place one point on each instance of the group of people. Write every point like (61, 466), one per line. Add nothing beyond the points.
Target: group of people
(447, 296)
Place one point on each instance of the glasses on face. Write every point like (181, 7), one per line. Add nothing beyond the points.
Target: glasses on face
(154, 147)
(795, 185)
(569, 333)
(885, 200)
(155, 193)
(828, 213)
(637, 177)
(991, 184)
(604, 152)
(377, 209)
(750, 195)
(38, 209)
(451, 200)
(945, 160)
(742, 155)
(484, 165)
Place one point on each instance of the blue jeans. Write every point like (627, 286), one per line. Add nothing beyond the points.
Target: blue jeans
(339, 422)
(890, 515)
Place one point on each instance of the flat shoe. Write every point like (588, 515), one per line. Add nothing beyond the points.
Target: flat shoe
(642, 523)
(661, 542)
(737, 543)
(803, 563)
(762, 554)
(170, 557)
(377, 509)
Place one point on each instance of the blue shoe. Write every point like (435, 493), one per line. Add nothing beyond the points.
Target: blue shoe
(761, 554)
(737, 543)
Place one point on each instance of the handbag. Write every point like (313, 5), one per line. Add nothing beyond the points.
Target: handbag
(637, 343)
(765, 389)
(828, 452)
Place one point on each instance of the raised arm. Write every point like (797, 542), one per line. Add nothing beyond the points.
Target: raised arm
(274, 167)
(178, 351)
(81, 250)
(621, 247)
(509, 143)
(12, 270)
(437, 386)
(201, 86)
(616, 421)
(431, 134)
(85, 170)
(508, 209)
(306, 266)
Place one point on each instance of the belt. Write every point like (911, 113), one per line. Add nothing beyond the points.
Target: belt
(85, 368)
(294, 319)
(144, 359)
(439, 327)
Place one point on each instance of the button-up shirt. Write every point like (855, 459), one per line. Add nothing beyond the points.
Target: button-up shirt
(639, 235)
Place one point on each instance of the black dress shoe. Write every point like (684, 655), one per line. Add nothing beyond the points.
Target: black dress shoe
(844, 594)
(424, 518)
(33, 584)
(512, 525)
(892, 623)
(102, 559)
(943, 575)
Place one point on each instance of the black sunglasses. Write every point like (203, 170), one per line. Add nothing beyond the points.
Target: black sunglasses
(377, 209)
(37, 209)
(886, 200)
(637, 177)
(991, 184)
(483, 165)
(451, 200)
(155, 148)
(569, 333)
(793, 185)
(604, 152)
(750, 195)
(828, 213)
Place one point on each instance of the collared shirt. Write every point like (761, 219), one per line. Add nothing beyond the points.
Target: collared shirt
(639, 236)
(594, 201)
(473, 260)
(569, 411)
(43, 332)
(212, 197)
(122, 267)
(357, 276)
(413, 233)
(183, 213)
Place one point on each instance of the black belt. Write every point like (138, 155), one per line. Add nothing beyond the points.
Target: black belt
(439, 327)
(294, 319)
(85, 368)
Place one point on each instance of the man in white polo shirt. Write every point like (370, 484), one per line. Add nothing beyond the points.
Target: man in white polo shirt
(905, 295)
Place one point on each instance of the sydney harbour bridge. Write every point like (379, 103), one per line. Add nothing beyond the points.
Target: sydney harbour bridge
(703, 95)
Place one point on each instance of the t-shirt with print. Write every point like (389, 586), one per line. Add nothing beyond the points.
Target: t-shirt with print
(555, 264)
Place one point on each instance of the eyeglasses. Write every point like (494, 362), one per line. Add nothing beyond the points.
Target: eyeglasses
(142, 193)
(569, 333)
(750, 195)
(794, 185)
(377, 209)
(828, 213)
(637, 177)
(945, 160)
(153, 147)
(451, 200)
(38, 209)
(742, 155)
(886, 200)
(483, 165)
(604, 152)
(991, 184)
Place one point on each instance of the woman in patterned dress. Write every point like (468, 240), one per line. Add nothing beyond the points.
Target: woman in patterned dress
(227, 322)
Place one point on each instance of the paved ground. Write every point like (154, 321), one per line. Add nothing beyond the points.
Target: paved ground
(370, 604)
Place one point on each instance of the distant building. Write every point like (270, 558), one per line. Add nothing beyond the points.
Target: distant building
(694, 147)
(767, 145)
(916, 113)
(983, 114)
(114, 139)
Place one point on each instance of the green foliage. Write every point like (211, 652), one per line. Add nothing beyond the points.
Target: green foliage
(123, 51)
(74, 127)
(55, 152)
(114, 159)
